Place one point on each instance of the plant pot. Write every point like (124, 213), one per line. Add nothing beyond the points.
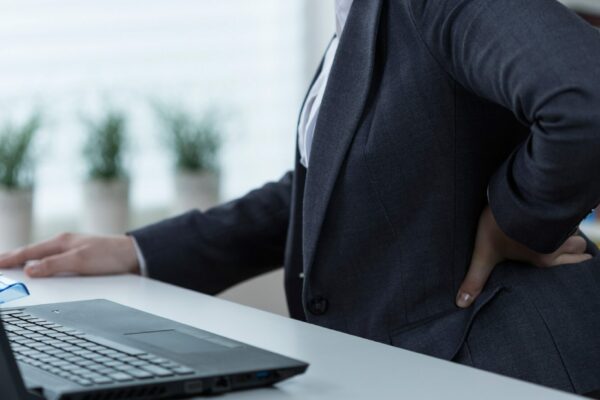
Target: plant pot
(195, 190)
(106, 206)
(16, 218)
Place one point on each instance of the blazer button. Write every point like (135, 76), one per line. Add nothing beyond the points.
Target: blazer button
(318, 305)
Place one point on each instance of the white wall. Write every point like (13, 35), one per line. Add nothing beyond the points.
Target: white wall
(73, 57)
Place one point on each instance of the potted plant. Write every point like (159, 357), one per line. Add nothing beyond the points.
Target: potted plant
(16, 183)
(195, 144)
(106, 191)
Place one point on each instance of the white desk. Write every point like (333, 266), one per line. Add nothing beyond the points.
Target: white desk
(342, 366)
(585, 5)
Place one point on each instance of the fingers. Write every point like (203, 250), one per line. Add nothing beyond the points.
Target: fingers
(34, 252)
(570, 252)
(573, 245)
(477, 276)
(493, 246)
(483, 261)
(572, 258)
(68, 262)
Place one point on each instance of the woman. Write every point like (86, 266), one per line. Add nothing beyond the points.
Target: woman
(439, 139)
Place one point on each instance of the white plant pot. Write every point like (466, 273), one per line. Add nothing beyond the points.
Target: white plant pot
(16, 218)
(195, 190)
(106, 207)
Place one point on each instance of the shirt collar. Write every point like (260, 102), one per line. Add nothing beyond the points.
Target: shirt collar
(342, 9)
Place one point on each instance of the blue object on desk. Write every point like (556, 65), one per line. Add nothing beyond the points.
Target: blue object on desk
(11, 290)
(591, 217)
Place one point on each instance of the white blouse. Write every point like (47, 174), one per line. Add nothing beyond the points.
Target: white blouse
(310, 111)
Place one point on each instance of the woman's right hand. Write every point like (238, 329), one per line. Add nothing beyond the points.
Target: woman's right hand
(75, 254)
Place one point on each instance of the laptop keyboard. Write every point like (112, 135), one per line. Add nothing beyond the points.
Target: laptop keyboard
(79, 357)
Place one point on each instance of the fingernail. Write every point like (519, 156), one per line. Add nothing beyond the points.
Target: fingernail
(463, 300)
(33, 269)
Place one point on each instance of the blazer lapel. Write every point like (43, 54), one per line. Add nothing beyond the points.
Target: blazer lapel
(341, 110)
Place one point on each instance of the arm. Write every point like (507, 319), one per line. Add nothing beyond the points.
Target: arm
(212, 251)
(206, 252)
(539, 60)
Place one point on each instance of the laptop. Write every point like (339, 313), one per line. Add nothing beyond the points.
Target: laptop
(100, 350)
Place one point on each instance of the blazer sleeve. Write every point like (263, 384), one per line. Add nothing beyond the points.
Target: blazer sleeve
(540, 60)
(214, 250)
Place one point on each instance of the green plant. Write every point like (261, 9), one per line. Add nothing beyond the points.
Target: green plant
(105, 146)
(195, 142)
(16, 161)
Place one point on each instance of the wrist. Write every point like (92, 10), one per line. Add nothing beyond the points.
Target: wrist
(131, 259)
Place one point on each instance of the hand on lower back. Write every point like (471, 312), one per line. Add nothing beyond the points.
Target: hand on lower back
(75, 254)
(492, 246)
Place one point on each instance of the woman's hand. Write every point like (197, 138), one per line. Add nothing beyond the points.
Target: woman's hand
(492, 246)
(76, 254)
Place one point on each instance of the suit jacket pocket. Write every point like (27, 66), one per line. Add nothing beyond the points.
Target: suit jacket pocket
(442, 335)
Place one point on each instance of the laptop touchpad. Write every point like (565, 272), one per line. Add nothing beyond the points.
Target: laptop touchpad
(178, 342)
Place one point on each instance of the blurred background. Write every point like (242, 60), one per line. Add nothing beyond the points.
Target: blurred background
(182, 99)
(251, 61)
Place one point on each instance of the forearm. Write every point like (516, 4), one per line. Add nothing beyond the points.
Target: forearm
(212, 251)
(539, 60)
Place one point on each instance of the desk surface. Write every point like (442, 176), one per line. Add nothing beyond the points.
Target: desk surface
(342, 366)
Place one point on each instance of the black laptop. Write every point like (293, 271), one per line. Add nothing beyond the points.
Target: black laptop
(100, 350)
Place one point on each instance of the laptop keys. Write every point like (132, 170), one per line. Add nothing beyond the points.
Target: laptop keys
(181, 370)
(120, 377)
(83, 359)
(158, 371)
(139, 373)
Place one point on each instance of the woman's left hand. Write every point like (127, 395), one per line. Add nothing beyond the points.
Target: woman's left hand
(492, 246)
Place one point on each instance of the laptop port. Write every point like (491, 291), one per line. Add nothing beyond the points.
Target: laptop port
(194, 386)
(263, 375)
(221, 385)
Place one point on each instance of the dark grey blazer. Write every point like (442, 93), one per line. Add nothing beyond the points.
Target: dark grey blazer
(429, 104)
